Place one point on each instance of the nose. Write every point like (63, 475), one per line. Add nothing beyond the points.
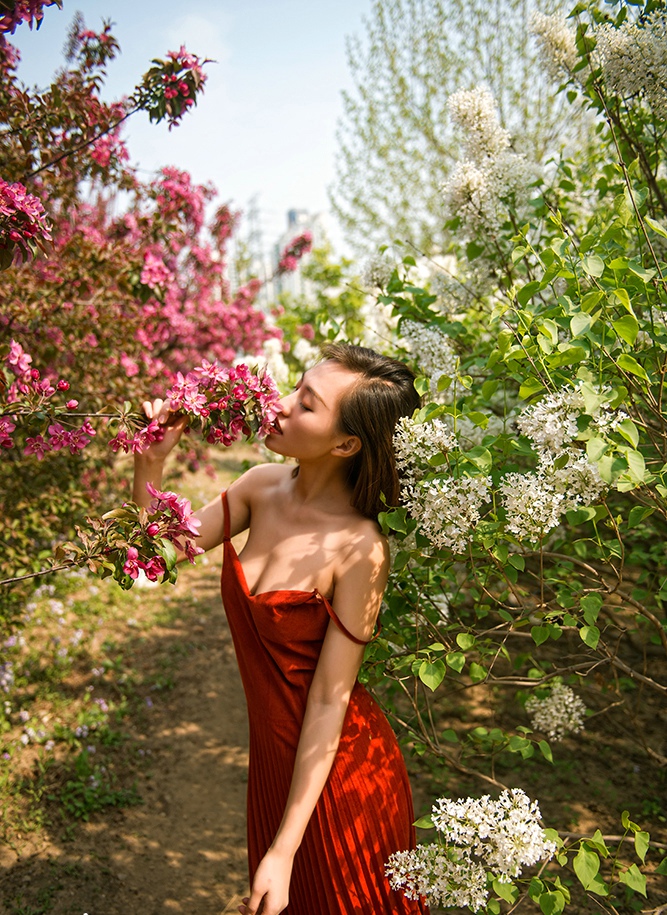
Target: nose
(285, 404)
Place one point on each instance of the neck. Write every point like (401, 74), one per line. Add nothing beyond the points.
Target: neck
(322, 483)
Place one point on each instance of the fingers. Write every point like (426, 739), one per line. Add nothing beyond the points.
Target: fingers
(252, 906)
(158, 409)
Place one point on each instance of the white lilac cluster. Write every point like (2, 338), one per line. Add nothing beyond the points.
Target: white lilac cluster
(551, 424)
(376, 272)
(490, 173)
(416, 443)
(633, 58)
(560, 713)
(379, 324)
(305, 353)
(476, 113)
(432, 350)
(444, 880)
(272, 360)
(536, 501)
(556, 43)
(447, 509)
(478, 836)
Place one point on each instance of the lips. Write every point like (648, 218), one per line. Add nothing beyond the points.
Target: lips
(275, 428)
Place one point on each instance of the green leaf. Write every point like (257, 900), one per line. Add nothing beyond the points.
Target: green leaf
(629, 432)
(593, 265)
(465, 640)
(579, 324)
(456, 660)
(662, 868)
(634, 879)
(590, 635)
(167, 550)
(540, 634)
(630, 364)
(480, 457)
(424, 823)
(517, 561)
(506, 891)
(656, 226)
(597, 841)
(636, 464)
(450, 735)
(432, 673)
(642, 840)
(627, 328)
(568, 356)
(586, 866)
(552, 902)
(590, 605)
(545, 750)
(638, 513)
(477, 672)
(595, 448)
(526, 293)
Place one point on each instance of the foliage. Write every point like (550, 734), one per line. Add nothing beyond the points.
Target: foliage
(530, 547)
(396, 140)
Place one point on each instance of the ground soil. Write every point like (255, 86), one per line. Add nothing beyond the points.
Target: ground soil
(182, 849)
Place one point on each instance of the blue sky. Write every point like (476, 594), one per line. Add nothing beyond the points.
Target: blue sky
(267, 120)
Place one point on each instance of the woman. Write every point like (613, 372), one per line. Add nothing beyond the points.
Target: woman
(328, 796)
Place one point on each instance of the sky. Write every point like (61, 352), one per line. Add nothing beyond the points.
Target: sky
(266, 124)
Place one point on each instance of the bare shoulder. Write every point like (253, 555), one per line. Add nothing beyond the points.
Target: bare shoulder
(258, 482)
(367, 547)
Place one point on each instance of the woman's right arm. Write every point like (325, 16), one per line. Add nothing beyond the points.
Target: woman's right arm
(149, 468)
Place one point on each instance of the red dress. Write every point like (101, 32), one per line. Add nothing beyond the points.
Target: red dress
(365, 810)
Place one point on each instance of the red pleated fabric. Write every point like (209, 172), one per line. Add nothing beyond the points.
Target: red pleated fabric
(365, 810)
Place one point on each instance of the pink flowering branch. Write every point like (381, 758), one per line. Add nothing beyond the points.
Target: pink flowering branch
(25, 11)
(23, 224)
(223, 404)
(129, 541)
(293, 252)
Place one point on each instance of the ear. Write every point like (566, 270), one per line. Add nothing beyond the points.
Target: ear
(348, 447)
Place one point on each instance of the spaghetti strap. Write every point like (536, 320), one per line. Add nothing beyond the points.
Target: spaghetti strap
(225, 509)
(343, 628)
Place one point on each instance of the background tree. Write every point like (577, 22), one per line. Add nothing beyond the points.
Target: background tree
(396, 141)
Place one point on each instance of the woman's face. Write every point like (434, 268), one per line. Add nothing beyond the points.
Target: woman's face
(308, 418)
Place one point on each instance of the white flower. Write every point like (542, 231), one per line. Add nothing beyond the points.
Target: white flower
(556, 43)
(560, 713)
(271, 358)
(476, 112)
(536, 501)
(305, 353)
(447, 509)
(633, 58)
(505, 834)
(432, 350)
(416, 443)
(376, 272)
(443, 879)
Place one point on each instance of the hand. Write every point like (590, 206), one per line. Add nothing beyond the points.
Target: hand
(270, 888)
(172, 424)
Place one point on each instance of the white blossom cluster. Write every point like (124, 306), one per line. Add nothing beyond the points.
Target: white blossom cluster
(551, 424)
(556, 44)
(561, 712)
(490, 173)
(415, 443)
(379, 324)
(432, 350)
(376, 272)
(633, 58)
(428, 871)
(536, 501)
(271, 358)
(478, 836)
(447, 509)
(305, 353)
(476, 113)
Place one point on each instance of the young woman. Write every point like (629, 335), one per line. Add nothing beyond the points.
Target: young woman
(328, 795)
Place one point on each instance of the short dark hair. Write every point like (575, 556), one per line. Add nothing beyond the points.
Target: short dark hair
(370, 410)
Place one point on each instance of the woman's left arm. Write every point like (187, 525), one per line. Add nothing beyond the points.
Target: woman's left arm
(358, 595)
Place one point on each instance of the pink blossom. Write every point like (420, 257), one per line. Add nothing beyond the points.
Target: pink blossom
(132, 566)
(307, 331)
(60, 437)
(155, 273)
(72, 404)
(18, 360)
(155, 567)
(63, 385)
(6, 428)
(153, 529)
(38, 446)
(23, 223)
(130, 366)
